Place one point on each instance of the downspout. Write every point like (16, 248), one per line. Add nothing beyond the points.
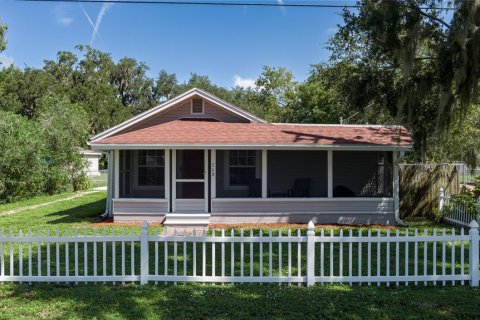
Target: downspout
(108, 206)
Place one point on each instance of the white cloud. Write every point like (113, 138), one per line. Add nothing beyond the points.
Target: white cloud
(62, 15)
(66, 21)
(243, 82)
(6, 61)
(96, 29)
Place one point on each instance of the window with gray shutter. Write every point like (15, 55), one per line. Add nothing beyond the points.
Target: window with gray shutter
(197, 106)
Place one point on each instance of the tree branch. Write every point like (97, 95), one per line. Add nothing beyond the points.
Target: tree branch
(430, 16)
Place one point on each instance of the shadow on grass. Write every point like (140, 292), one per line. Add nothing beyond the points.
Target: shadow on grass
(79, 214)
(238, 301)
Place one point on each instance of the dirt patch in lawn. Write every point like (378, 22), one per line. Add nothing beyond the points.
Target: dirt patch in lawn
(110, 223)
(285, 225)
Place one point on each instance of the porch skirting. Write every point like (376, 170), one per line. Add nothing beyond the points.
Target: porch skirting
(266, 210)
(317, 218)
(302, 210)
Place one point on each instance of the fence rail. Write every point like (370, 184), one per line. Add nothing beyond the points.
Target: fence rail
(457, 214)
(317, 256)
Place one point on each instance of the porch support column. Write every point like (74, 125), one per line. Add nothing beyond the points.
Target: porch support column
(213, 175)
(205, 175)
(116, 168)
(167, 177)
(264, 173)
(108, 208)
(396, 188)
(174, 178)
(330, 173)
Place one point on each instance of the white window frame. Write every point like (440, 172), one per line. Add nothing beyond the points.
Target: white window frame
(226, 172)
(203, 106)
(136, 167)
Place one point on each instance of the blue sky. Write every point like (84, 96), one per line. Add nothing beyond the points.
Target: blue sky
(228, 44)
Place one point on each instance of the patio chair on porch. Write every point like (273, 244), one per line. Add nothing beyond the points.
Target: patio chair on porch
(301, 188)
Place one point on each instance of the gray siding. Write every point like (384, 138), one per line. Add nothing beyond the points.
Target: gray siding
(139, 207)
(190, 205)
(321, 206)
(347, 219)
(284, 167)
(183, 110)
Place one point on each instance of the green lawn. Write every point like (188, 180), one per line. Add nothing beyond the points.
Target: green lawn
(235, 302)
(34, 201)
(78, 212)
(216, 301)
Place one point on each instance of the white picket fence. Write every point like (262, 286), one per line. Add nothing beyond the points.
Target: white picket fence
(460, 215)
(372, 257)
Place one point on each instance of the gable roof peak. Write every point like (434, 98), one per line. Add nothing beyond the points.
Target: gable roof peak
(174, 102)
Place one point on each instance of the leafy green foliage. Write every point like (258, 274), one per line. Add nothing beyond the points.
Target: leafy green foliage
(466, 198)
(3, 31)
(64, 127)
(410, 63)
(22, 163)
(40, 155)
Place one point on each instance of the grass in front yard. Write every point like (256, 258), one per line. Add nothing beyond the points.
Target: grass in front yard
(197, 301)
(73, 213)
(241, 301)
(34, 201)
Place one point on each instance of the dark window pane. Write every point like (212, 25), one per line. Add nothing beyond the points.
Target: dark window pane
(151, 167)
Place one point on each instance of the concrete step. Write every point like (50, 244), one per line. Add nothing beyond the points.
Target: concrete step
(187, 219)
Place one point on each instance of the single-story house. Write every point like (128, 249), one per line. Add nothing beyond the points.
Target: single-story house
(197, 159)
(91, 159)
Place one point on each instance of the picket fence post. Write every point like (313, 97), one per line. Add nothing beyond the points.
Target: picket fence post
(474, 238)
(310, 254)
(144, 253)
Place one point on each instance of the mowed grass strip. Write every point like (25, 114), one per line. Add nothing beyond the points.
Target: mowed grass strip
(34, 201)
(268, 301)
(72, 213)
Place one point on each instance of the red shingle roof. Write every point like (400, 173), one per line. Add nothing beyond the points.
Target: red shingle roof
(208, 132)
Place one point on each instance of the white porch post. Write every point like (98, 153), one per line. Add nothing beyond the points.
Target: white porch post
(396, 188)
(116, 167)
(330, 173)
(167, 177)
(109, 209)
(264, 173)
(174, 178)
(205, 180)
(213, 175)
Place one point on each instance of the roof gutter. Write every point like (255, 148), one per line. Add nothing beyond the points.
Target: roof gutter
(343, 147)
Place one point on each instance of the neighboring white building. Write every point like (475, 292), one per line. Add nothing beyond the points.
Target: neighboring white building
(92, 159)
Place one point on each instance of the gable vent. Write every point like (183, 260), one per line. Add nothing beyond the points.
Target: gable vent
(197, 106)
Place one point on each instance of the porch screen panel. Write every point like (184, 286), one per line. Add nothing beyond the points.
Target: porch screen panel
(238, 174)
(297, 173)
(125, 173)
(362, 174)
(190, 190)
(142, 174)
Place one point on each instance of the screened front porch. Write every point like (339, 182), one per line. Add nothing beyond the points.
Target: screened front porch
(234, 184)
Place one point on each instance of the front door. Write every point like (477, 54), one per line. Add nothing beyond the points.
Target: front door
(190, 181)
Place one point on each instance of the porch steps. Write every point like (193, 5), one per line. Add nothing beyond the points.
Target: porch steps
(187, 219)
